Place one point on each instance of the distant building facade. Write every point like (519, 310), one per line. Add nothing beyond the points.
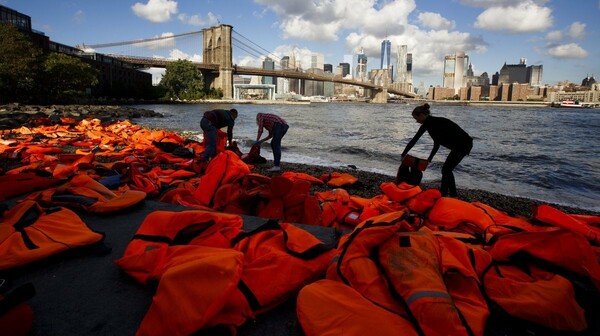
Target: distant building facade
(386, 47)
(268, 64)
(345, 69)
(455, 70)
(403, 78)
(361, 66)
(521, 73)
(117, 78)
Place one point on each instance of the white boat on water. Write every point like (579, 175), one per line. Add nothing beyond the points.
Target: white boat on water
(316, 99)
(576, 104)
(570, 103)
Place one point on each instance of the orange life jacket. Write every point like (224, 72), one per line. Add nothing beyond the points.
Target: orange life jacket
(337, 179)
(18, 184)
(550, 215)
(329, 307)
(534, 295)
(399, 192)
(355, 268)
(84, 192)
(225, 168)
(242, 273)
(451, 214)
(29, 232)
(302, 176)
(563, 248)
(413, 265)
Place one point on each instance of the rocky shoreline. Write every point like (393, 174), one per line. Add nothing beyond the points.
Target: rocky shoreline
(368, 187)
(17, 115)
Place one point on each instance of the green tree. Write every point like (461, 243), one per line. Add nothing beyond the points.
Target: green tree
(183, 80)
(19, 65)
(67, 77)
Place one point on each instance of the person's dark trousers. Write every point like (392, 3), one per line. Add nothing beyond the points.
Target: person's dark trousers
(279, 131)
(210, 134)
(448, 187)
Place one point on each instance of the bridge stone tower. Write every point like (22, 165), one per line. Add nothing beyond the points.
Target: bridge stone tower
(217, 50)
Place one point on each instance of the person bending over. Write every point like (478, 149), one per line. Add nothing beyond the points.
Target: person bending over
(211, 121)
(277, 127)
(444, 132)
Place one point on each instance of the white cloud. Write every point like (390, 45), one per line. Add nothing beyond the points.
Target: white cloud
(577, 30)
(297, 28)
(79, 16)
(176, 54)
(554, 35)
(498, 3)
(196, 20)
(524, 17)
(323, 20)
(430, 46)
(156, 10)
(364, 24)
(157, 74)
(564, 51)
(435, 21)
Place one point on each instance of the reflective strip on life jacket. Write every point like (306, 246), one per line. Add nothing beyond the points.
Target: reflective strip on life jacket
(412, 262)
(355, 267)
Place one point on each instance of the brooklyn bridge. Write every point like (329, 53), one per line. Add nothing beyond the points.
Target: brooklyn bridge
(218, 69)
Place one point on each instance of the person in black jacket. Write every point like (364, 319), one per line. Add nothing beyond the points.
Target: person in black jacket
(210, 123)
(448, 134)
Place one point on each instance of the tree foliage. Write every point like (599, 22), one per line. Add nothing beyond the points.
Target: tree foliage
(67, 77)
(19, 65)
(183, 80)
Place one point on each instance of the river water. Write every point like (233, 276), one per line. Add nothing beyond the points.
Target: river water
(547, 154)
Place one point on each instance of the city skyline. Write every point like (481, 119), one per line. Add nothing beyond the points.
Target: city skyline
(559, 35)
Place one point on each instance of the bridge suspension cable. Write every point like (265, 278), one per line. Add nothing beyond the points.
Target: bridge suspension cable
(125, 43)
(254, 52)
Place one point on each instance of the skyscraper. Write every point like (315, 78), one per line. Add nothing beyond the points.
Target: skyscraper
(455, 70)
(345, 69)
(386, 46)
(270, 65)
(401, 67)
(285, 62)
(317, 61)
(361, 66)
(534, 74)
(409, 63)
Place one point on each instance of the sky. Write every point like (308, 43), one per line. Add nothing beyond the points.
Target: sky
(561, 35)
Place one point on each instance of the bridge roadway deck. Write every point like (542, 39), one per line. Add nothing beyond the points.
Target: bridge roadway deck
(239, 70)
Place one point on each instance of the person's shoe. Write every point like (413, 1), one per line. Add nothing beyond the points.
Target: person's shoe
(274, 169)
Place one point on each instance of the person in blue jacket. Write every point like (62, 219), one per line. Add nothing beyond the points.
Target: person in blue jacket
(446, 133)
